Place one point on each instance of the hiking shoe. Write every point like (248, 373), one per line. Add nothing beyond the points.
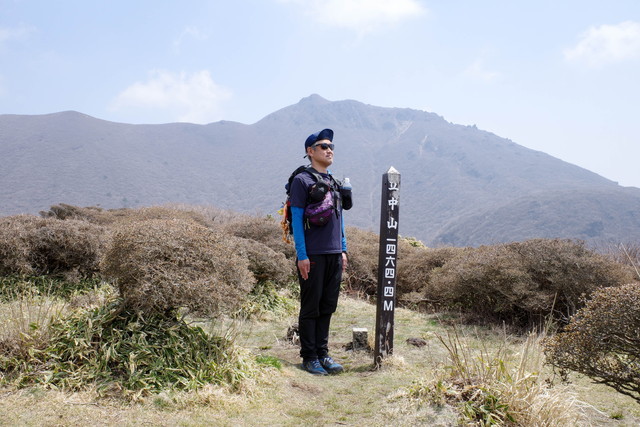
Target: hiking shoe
(313, 367)
(330, 365)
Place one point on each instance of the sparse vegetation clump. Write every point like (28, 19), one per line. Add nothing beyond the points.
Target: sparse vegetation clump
(494, 386)
(15, 287)
(266, 300)
(163, 265)
(127, 352)
(602, 341)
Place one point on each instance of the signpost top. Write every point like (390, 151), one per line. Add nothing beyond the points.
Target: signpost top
(393, 171)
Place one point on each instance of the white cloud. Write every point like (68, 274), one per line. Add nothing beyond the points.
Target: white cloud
(607, 43)
(478, 71)
(362, 16)
(181, 97)
(15, 33)
(193, 33)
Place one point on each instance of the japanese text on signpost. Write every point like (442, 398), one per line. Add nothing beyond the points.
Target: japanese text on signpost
(388, 254)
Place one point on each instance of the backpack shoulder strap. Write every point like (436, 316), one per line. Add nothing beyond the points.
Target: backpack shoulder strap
(314, 173)
(298, 170)
(333, 183)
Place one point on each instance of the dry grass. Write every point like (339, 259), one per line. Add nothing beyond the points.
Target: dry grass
(503, 384)
(290, 396)
(24, 326)
(206, 260)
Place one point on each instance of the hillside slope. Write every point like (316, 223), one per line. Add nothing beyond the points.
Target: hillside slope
(460, 185)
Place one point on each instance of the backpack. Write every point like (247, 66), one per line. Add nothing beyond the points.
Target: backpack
(322, 202)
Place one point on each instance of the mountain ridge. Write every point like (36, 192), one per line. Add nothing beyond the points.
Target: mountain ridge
(456, 180)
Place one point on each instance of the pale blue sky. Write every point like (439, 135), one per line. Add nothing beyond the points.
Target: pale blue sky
(557, 76)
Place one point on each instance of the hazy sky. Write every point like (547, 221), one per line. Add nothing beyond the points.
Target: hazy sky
(559, 76)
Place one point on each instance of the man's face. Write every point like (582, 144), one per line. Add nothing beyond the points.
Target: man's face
(322, 152)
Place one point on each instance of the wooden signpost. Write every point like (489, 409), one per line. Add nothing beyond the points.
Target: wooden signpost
(390, 208)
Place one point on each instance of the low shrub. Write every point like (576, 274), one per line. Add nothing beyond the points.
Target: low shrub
(264, 262)
(265, 230)
(415, 271)
(159, 213)
(213, 215)
(602, 341)
(93, 214)
(98, 215)
(523, 283)
(30, 245)
(160, 265)
(415, 266)
(362, 269)
(364, 250)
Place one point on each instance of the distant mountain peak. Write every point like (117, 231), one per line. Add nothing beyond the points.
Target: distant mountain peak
(314, 99)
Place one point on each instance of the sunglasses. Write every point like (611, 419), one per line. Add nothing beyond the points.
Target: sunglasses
(324, 145)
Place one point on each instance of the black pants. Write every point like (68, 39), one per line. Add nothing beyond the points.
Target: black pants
(318, 301)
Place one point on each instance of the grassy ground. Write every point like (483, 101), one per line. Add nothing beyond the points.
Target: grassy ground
(290, 396)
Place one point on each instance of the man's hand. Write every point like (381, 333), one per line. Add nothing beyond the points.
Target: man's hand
(304, 266)
(345, 261)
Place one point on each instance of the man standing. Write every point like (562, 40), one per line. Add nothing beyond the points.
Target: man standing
(321, 256)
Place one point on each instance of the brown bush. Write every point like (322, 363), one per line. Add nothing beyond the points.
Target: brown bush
(416, 268)
(415, 271)
(93, 214)
(14, 246)
(213, 215)
(362, 269)
(364, 249)
(32, 246)
(265, 263)
(160, 213)
(163, 264)
(97, 215)
(523, 283)
(628, 254)
(602, 341)
(263, 230)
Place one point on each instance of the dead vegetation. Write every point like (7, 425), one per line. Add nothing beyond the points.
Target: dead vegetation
(162, 265)
(33, 246)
